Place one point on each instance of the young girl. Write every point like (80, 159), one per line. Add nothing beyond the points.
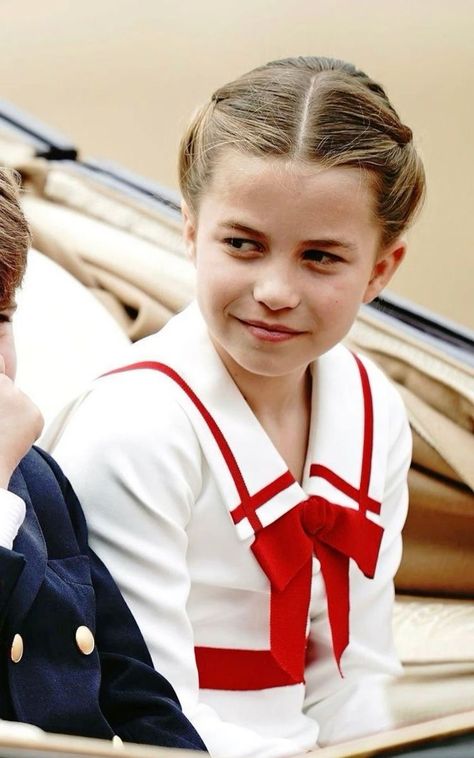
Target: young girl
(243, 473)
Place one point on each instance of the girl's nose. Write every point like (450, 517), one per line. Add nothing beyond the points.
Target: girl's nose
(276, 290)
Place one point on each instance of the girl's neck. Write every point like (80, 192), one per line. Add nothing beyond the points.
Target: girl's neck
(275, 398)
(283, 408)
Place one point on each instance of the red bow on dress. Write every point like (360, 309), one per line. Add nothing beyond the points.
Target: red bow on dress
(284, 549)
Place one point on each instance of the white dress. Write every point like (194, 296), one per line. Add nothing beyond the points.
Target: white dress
(214, 544)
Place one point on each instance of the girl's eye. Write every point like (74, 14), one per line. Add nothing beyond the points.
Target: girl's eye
(242, 245)
(5, 317)
(320, 257)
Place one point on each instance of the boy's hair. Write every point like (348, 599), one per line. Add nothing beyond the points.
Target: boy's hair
(315, 110)
(15, 236)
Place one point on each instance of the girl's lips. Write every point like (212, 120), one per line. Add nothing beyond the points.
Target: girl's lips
(270, 332)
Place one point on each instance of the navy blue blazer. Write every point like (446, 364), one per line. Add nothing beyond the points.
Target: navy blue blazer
(50, 584)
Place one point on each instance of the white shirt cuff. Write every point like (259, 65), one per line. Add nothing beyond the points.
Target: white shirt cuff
(12, 514)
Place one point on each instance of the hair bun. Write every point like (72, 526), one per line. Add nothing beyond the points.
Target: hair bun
(404, 136)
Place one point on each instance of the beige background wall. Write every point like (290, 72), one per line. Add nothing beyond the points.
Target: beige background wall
(120, 77)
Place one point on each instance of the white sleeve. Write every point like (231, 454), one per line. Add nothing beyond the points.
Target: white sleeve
(12, 515)
(135, 463)
(357, 704)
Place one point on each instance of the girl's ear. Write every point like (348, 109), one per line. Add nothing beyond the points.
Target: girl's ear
(189, 231)
(388, 260)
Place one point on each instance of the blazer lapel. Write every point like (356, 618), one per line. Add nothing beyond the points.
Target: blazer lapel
(30, 543)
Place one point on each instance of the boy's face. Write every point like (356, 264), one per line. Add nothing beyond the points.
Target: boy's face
(285, 254)
(7, 341)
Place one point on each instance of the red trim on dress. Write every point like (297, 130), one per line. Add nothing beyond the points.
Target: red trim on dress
(252, 502)
(239, 669)
(348, 489)
(368, 435)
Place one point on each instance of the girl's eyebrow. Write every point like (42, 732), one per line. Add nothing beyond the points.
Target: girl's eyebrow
(329, 242)
(241, 228)
(314, 243)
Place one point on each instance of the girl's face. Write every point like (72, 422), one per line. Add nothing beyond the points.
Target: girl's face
(285, 253)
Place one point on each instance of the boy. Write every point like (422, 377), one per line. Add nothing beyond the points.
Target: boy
(72, 659)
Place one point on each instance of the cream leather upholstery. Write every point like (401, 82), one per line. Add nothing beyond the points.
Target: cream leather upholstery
(65, 337)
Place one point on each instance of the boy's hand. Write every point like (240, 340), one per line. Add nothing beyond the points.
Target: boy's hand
(21, 424)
